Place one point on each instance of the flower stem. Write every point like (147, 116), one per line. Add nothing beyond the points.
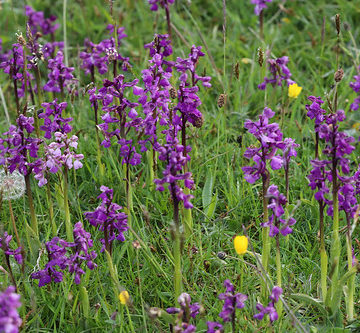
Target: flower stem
(34, 224)
(335, 246)
(140, 289)
(129, 202)
(261, 24)
(150, 163)
(323, 255)
(265, 231)
(168, 20)
(351, 281)
(177, 244)
(12, 218)
(278, 272)
(130, 321)
(68, 226)
(51, 209)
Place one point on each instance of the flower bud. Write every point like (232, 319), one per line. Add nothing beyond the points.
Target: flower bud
(221, 100)
(339, 74)
(237, 70)
(337, 23)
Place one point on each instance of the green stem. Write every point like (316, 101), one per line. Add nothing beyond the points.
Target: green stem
(323, 255)
(177, 245)
(140, 290)
(51, 209)
(265, 231)
(130, 321)
(34, 224)
(68, 225)
(129, 201)
(335, 246)
(188, 220)
(113, 275)
(351, 281)
(65, 34)
(12, 218)
(150, 163)
(278, 272)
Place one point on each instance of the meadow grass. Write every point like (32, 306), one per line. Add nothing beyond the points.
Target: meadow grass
(224, 202)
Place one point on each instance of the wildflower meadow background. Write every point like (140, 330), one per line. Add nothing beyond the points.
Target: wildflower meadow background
(179, 166)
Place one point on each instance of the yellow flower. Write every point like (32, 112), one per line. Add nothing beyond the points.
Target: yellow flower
(241, 244)
(294, 90)
(124, 297)
(246, 61)
(285, 20)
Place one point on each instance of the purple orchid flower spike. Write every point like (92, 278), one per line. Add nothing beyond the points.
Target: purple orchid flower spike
(356, 87)
(232, 301)
(162, 3)
(5, 246)
(60, 76)
(214, 327)
(101, 55)
(108, 219)
(260, 5)
(10, 320)
(277, 202)
(279, 71)
(38, 22)
(185, 313)
(270, 308)
(270, 137)
(63, 256)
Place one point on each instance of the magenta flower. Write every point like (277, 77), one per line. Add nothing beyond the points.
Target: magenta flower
(14, 67)
(162, 3)
(172, 154)
(53, 119)
(60, 76)
(63, 256)
(118, 118)
(269, 136)
(185, 312)
(270, 308)
(17, 145)
(155, 98)
(279, 71)
(5, 246)
(356, 87)
(58, 154)
(315, 111)
(277, 202)
(101, 55)
(232, 301)
(214, 327)
(260, 5)
(10, 320)
(38, 22)
(108, 219)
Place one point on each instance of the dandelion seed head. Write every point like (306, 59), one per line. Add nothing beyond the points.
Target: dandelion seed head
(12, 185)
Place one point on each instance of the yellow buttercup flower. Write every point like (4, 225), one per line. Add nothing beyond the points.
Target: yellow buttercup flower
(294, 90)
(241, 244)
(124, 297)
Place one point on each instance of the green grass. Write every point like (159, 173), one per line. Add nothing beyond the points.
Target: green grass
(216, 162)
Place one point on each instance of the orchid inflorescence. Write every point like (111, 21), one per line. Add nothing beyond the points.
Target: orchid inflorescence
(63, 255)
(10, 320)
(108, 219)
